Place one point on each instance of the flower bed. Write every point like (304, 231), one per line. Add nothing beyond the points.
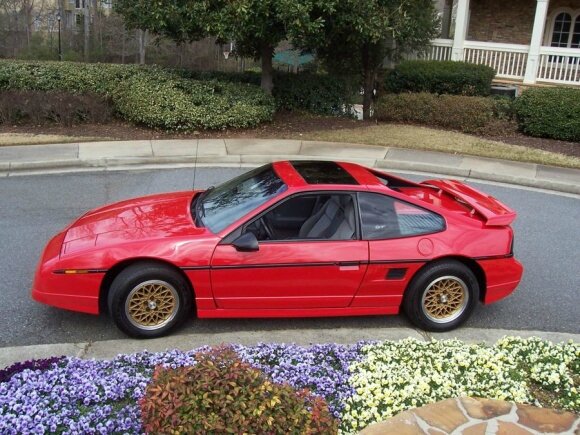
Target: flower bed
(361, 383)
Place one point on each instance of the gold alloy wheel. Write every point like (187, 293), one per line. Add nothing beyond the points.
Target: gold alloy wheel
(152, 305)
(445, 299)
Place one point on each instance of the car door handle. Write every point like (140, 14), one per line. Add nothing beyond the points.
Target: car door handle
(348, 265)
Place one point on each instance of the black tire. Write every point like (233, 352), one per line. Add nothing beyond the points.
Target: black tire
(147, 300)
(441, 296)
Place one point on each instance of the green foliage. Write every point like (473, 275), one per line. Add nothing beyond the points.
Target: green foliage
(152, 96)
(355, 36)
(504, 109)
(550, 112)
(456, 78)
(256, 26)
(314, 93)
(64, 76)
(468, 114)
(181, 20)
(181, 104)
(221, 394)
(39, 107)
(320, 94)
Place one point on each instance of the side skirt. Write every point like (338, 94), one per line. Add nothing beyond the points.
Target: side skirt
(314, 312)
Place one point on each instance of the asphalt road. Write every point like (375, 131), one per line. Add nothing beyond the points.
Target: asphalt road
(33, 208)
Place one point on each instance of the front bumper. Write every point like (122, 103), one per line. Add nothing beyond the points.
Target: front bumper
(502, 277)
(83, 304)
(77, 292)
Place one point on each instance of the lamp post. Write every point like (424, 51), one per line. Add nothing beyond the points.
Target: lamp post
(58, 18)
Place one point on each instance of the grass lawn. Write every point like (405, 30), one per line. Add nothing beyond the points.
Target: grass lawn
(423, 138)
(7, 139)
(310, 127)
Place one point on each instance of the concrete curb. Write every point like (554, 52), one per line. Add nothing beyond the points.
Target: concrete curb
(131, 155)
(108, 349)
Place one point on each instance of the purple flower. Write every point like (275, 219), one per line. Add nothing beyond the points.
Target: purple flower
(100, 397)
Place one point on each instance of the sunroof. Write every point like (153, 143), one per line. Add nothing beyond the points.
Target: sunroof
(323, 173)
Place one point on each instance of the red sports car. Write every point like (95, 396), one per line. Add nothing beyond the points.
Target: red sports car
(289, 239)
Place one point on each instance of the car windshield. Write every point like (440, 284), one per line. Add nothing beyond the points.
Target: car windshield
(219, 207)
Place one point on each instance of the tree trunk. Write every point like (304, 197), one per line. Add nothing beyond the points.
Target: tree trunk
(28, 8)
(87, 34)
(369, 75)
(267, 83)
(142, 36)
(123, 46)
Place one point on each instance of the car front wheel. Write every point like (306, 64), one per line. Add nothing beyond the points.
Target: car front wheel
(147, 300)
(441, 296)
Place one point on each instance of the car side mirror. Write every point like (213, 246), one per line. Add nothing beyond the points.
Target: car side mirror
(247, 242)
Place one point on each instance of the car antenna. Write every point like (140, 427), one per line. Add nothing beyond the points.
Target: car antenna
(195, 163)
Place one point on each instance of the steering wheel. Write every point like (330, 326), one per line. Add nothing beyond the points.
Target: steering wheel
(267, 228)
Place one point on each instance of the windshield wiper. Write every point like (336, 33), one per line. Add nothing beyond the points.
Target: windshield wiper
(199, 207)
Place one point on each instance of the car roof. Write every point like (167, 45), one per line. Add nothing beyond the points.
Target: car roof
(300, 173)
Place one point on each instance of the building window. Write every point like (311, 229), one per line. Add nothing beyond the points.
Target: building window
(566, 30)
(575, 40)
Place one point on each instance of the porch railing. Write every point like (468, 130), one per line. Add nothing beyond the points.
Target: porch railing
(559, 65)
(508, 60)
(555, 65)
(440, 50)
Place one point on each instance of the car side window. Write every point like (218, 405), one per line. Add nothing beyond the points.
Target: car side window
(383, 217)
(327, 216)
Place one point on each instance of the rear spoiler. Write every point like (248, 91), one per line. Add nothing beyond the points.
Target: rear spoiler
(494, 212)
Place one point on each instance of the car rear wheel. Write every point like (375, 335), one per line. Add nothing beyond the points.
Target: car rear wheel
(148, 300)
(441, 296)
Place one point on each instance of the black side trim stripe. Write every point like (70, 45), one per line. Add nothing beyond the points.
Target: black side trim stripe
(399, 261)
(314, 264)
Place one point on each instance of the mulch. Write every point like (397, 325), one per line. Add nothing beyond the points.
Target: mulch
(284, 125)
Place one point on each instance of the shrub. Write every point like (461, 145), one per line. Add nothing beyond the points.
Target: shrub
(64, 76)
(152, 96)
(315, 93)
(456, 78)
(182, 104)
(221, 394)
(550, 112)
(40, 107)
(468, 114)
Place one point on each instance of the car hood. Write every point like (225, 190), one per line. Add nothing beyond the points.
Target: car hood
(149, 217)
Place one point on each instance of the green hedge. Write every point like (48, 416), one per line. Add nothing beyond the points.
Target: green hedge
(468, 114)
(64, 76)
(550, 112)
(456, 78)
(182, 104)
(152, 96)
(315, 93)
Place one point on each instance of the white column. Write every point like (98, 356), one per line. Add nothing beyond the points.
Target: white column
(461, 23)
(536, 43)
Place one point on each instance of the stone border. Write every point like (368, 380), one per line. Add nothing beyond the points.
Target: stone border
(148, 154)
(110, 348)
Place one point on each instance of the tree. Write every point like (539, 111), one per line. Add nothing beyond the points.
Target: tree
(356, 36)
(181, 20)
(255, 26)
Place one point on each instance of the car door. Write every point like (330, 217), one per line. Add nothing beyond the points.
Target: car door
(399, 240)
(307, 263)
